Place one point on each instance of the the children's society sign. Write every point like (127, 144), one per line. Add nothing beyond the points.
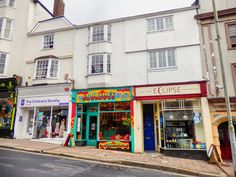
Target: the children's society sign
(44, 101)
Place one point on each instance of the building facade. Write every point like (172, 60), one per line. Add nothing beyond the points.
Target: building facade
(143, 52)
(16, 18)
(211, 67)
(44, 100)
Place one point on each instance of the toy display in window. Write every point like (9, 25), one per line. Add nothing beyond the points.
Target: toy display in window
(5, 114)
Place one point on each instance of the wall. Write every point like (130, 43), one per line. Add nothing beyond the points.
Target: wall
(206, 6)
(129, 46)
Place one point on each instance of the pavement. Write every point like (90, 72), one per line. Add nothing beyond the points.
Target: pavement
(147, 160)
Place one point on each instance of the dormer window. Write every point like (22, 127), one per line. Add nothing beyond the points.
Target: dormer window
(100, 33)
(48, 42)
(46, 68)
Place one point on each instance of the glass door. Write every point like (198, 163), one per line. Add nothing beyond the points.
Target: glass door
(92, 130)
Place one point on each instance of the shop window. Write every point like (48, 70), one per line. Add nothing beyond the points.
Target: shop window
(42, 123)
(48, 42)
(6, 106)
(59, 123)
(46, 68)
(162, 59)
(99, 63)
(231, 35)
(115, 121)
(81, 121)
(30, 122)
(182, 124)
(100, 33)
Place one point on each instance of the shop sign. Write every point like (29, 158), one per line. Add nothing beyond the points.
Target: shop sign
(114, 145)
(8, 84)
(168, 90)
(44, 101)
(99, 95)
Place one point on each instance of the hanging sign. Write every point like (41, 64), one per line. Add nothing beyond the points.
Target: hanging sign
(103, 95)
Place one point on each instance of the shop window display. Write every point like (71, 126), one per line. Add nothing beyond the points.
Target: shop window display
(5, 112)
(182, 125)
(115, 121)
(58, 124)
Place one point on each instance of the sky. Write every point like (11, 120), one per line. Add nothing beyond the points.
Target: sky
(86, 11)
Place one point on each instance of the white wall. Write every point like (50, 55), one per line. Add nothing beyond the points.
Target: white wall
(206, 5)
(129, 46)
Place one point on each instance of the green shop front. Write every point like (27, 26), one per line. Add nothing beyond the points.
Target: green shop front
(103, 118)
(7, 106)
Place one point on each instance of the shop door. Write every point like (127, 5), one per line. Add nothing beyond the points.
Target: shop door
(91, 130)
(149, 136)
(224, 141)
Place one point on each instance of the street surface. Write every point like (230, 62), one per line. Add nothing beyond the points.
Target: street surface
(22, 164)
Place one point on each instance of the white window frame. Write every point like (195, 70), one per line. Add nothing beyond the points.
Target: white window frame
(106, 63)
(106, 32)
(48, 41)
(163, 20)
(169, 61)
(7, 3)
(5, 63)
(3, 29)
(48, 69)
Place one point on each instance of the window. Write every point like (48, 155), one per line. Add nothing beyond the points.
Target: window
(3, 57)
(231, 34)
(48, 41)
(6, 28)
(162, 59)
(46, 68)
(2, 3)
(100, 33)
(10, 3)
(233, 68)
(100, 63)
(160, 23)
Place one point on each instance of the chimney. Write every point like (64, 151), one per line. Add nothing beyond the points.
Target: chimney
(58, 9)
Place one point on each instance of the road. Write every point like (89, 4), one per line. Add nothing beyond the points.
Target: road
(23, 164)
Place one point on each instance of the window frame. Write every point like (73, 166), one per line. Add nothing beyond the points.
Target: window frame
(164, 22)
(106, 33)
(48, 69)
(228, 37)
(233, 69)
(106, 66)
(6, 3)
(3, 28)
(156, 59)
(5, 64)
(46, 44)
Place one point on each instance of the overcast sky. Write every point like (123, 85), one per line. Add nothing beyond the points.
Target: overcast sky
(85, 11)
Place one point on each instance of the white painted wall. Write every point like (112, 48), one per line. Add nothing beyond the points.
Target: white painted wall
(25, 14)
(130, 43)
(206, 6)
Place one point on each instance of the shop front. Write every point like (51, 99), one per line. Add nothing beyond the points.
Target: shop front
(7, 106)
(219, 120)
(103, 118)
(42, 113)
(175, 119)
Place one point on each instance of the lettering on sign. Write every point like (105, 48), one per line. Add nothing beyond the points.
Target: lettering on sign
(114, 145)
(108, 95)
(168, 90)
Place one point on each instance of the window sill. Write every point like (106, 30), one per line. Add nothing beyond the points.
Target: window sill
(163, 69)
(47, 49)
(40, 79)
(104, 41)
(1, 38)
(231, 48)
(98, 74)
(165, 30)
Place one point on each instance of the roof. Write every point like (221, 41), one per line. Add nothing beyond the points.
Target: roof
(45, 8)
